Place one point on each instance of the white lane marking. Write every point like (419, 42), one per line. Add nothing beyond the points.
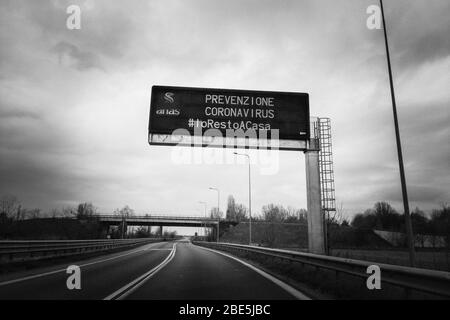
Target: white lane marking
(64, 270)
(297, 294)
(129, 288)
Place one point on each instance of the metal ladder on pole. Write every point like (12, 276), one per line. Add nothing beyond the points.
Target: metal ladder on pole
(327, 187)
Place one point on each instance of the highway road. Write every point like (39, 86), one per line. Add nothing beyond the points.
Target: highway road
(157, 271)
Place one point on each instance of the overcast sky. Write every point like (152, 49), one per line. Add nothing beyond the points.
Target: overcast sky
(74, 104)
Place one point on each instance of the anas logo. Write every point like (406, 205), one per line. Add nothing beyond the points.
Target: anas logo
(168, 97)
(168, 112)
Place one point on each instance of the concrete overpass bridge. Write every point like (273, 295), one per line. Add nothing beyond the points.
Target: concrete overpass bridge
(151, 220)
(162, 221)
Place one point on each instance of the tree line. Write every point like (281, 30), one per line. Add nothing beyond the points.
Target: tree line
(70, 222)
(270, 213)
(381, 217)
(384, 217)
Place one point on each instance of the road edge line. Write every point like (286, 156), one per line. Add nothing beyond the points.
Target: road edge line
(290, 289)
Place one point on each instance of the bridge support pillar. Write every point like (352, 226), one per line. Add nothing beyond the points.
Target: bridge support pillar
(316, 235)
(161, 231)
(124, 229)
(106, 230)
(214, 233)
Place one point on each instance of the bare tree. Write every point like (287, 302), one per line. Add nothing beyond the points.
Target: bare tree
(85, 210)
(241, 212)
(124, 212)
(274, 213)
(10, 206)
(231, 208)
(54, 213)
(271, 213)
(33, 213)
(69, 212)
(237, 212)
(215, 213)
(337, 216)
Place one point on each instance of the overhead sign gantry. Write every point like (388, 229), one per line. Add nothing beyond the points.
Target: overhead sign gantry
(228, 118)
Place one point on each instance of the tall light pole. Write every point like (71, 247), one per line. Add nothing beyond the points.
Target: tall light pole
(218, 210)
(204, 203)
(249, 197)
(408, 223)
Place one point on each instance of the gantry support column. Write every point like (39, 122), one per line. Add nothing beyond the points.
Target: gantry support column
(316, 235)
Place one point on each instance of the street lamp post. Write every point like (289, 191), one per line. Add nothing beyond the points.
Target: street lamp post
(218, 210)
(249, 197)
(204, 203)
(409, 231)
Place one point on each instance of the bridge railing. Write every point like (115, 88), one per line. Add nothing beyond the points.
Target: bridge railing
(436, 283)
(149, 217)
(18, 250)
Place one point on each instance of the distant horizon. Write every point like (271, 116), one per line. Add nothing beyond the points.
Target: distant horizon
(255, 214)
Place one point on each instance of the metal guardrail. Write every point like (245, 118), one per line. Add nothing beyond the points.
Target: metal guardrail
(23, 250)
(432, 282)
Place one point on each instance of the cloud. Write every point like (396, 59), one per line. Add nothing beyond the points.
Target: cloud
(11, 114)
(417, 194)
(74, 103)
(418, 32)
(83, 60)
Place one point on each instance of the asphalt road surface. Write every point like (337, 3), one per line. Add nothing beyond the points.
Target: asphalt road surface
(157, 271)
